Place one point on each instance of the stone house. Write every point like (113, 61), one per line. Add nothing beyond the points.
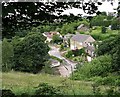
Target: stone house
(79, 41)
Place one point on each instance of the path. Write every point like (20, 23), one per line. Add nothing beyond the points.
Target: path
(67, 67)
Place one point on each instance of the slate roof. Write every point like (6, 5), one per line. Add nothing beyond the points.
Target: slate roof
(67, 36)
(80, 26)
(91, 48)
(80, 37)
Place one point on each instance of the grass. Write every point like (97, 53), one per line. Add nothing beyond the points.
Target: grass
(25, 83)
(98, 35)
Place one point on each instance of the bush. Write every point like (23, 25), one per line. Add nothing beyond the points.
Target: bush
(45, 89)
(78, 52)
(100, 66)
(103, 29)
(47, 68)
(109, 80)
(69, 54)
(7, 55)
(7, 93)
(56, 39)
(62, 47)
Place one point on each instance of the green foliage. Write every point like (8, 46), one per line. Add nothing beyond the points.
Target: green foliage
(69, 54)
(53, 57)
(16, 40)
(30, 53)
(78, 59)
(67, 29)
(46, 89)
(112, 91)
(75, 53)
(100, 20)
(56, 39)
(7, 55)
(115, 25)
(100, 66)
(61, 47)
(42, 29)
(111, 46)
(7, 93)
(79, 52)
(96, 89)
(47, 68)
(103, 29)
(1, 55)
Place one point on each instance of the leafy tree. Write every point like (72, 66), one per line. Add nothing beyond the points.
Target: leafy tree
(100, 66)
(67, 28)
(7, 55)
(116, 59)
(19, 16)
(31, 53)
(104, 13)
(100, 20)
(115, 25)
(111, 46)
(56, 38)
(15, 40)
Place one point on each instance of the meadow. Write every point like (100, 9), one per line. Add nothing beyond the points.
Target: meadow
(26, 83)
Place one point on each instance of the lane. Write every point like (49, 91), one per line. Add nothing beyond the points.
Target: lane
(67, 67)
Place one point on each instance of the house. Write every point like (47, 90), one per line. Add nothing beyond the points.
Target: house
(50, 34)
(79, 41)
(83, 28)
(66, 39)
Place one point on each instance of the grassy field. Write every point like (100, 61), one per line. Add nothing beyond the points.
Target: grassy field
(25, 83)
(98, 35)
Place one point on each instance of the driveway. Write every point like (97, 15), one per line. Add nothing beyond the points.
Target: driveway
(67, 67)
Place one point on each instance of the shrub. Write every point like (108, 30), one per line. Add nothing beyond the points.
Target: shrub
(69, 54)
(7, 93)
(103, 29)
(97, 67)
(7, 55)
(62, 47)
(45, 89)
(109, 80)
(56, 39)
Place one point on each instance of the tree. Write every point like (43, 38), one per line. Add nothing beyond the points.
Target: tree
(31, 53)
(7, 55)
(56, 38)
(111, 46)
(99, 66)
(116, 59)
(115, 25)
(19, 16)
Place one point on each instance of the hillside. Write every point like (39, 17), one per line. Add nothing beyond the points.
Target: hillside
(25, 83)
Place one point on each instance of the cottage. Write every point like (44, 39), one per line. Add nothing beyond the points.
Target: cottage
(49, 35)
(66, 39)
(79, 41)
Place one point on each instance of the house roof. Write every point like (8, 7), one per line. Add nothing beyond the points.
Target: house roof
(91, 48)
(80, 26)
(67, 36)
(80, 37)
(50, 34)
